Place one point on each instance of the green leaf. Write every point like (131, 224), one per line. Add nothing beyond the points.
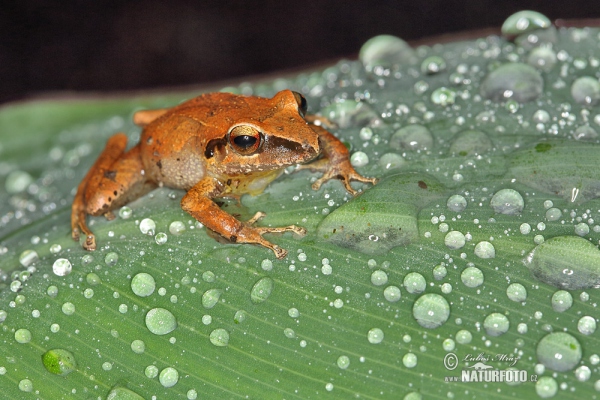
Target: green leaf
(424, 272)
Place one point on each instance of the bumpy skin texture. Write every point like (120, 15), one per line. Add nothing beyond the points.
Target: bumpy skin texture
(216, 145)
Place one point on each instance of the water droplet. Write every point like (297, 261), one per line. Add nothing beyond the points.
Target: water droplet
(379, 278)
(168, 377)
(59, 361)
(349, 113)
(266, 264)
(111, 259)
(385, 51)
(62, 267)
(23, 336)
(120, 393)
(507, 202)
(68, 308)
(177, 228)
(93, 279)
(559, 351)
(125, 212)
(289, 333)
(524, 22)
(585, 133)
(432, 65)
(293, 312)
(472, 277)
(455, 240)
(543, 58)
(240, 316)
(431, 310)
(375, 336)
(512, 81)
(160, 321)
(148, 226)
(261, 290)
(496, 324)
(586, 325)
(464, 337)
(412, 137)
(359, 159)
(138, 346)
(562, 301)
(211, 297)
(582, 229)
(208, 276)
(17, 182)
(414, 283)
(28, 257)
(443, 96)
(143, 284)
(485, 250)
(343, 362)
(192, 394)
(161, 238)
(586, 90)
(25, 385)
(391, 161)
(151, 371)
(456, 203)
(516, 292)
(567, 262)
(553, 214)
(439, 272)
(219, 337)
(409, 360)
(392, 293)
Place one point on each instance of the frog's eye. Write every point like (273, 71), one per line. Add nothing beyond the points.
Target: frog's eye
(245, 139)
(302, 105)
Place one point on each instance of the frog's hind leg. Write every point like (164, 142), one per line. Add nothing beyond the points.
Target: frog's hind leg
(115, 178)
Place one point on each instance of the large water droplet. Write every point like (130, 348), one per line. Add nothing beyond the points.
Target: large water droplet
(211, 297)
(431, 310)
(160, 321)
(59, 361)
(17, 182)
(168, 377)
(385, 51)
(412, 137)
(485, 249)
(143, 284)
(586, 90)
(508, 202)
(23, 335)
(546, 387)
(219, 337)
(470, 142)
(559, 351)
(524, 22)
(566, 262)
(513, 81)
(62, 267)
(261, 290)
(496, 324)
(543, 58)
(472, 277)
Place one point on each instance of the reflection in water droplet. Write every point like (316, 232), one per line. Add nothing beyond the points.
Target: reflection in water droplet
(559, 351)
(160, 321)
(59, 361)
(431, 310)
(261, 290)
(28, 257)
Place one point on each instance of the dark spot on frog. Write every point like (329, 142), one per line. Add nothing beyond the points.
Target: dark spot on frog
(159, 164)
(422, 185)
(228, 182)
(115, 193)
(233, 238)
(110, 175)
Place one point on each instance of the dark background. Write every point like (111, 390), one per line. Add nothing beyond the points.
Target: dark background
(112, 45)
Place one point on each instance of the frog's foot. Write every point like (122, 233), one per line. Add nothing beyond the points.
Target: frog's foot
(261, 230)
(343, 171)
(78, 225)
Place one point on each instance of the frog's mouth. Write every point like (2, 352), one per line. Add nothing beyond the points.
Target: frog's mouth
(288, 152)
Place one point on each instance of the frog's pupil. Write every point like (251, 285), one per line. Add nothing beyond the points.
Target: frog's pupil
(244, 141)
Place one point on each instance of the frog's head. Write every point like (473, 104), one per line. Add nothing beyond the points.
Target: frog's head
(266, 134)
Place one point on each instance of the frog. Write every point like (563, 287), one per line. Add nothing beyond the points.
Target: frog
(217, 145)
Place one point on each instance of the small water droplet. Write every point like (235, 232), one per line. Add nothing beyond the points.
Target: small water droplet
(161, 238)
(454, 240)
(138, 346)
(432, 65)
(464, 337)
(561, 301)
(343, 362)
(508, 202)
(68, 308)
(516, 292)
(472, 277)
(456, 203)
(17, 182)
(23, 336)
(125, 212)
(586, 90)
(414, 283)
(392, 293)
(359, 159)
(240, 316)
(379, 278)
(485, 250)
(412, 137)
(151, 371)
(293, 312)
(28, 257)
(120, 393)
(496, 324)
(261, 290)
(160, 321)
(524, 22)
(211, 297)
(409, 360)
(168, 377)
(148, 226)
(375, 336)
(586, 325)
(385, 51)
(111, 259)
(25, 385)
(177, 228)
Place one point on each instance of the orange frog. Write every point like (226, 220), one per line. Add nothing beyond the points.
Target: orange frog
(215, 145)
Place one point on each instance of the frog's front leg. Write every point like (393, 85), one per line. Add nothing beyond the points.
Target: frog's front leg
(198, 202)
(115, 179)
(335, 163)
